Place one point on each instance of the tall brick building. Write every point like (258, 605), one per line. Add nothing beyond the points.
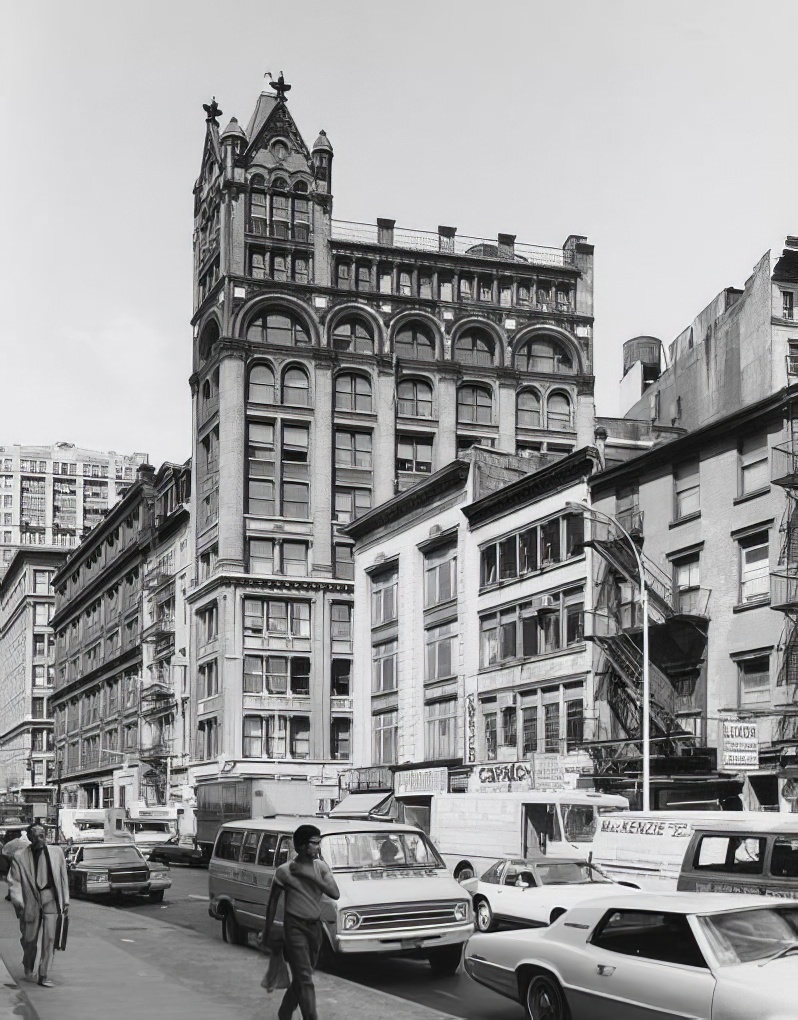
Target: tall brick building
(335, 364)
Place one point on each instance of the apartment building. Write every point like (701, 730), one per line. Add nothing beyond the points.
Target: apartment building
(336, 364)
(52, 495)
(27, 655)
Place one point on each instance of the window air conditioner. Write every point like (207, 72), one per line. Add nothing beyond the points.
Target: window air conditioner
(544, 602)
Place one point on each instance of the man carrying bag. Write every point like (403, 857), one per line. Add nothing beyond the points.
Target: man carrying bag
(39, 889)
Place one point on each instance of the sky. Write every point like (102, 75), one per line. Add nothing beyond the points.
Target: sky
(665, 132)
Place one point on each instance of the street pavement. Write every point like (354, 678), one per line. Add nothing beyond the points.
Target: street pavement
(132, 965)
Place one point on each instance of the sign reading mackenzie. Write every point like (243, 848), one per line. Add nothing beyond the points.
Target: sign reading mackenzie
(739, 746)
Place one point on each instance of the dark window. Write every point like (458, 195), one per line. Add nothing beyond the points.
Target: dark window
(296, 387)
(278, 328)
(415, 398)
(474, 347)
(528, 409)
(261, 385)
(545, 355)
(352, 393)
(228, 845)
(353, 335)
(474, 405)
(666, 938)
(415, 342)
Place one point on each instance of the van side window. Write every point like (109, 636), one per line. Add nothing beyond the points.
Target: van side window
(731, 855)
(249, 847)
(784, 861)
(285, 851)
(267, 847)
(649, 934)
(228, 846)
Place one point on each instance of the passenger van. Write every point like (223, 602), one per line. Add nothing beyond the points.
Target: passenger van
(396, 893)
(758, 857)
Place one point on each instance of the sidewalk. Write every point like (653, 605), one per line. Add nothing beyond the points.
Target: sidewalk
(132, 967)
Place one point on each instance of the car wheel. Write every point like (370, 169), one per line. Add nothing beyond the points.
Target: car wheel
(156, 897)
(445, 960)
(483, 915)
(545, 999)
(231, 930)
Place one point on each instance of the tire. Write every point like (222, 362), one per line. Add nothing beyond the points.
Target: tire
(232, 931)
(545, 1000)
(445, 960)
(156, 897)
(483, 915)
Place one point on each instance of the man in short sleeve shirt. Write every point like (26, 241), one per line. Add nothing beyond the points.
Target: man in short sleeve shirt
(303, 881)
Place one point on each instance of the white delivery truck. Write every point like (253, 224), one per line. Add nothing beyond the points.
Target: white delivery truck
(146, 827)
(473, 830)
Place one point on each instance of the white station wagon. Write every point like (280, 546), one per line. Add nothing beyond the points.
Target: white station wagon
(704, 956)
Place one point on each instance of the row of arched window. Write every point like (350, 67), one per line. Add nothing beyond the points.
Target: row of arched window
(416, 341)
(414, 397)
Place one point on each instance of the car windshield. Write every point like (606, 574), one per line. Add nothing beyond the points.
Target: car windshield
(745, 935)
(105, 855)
(568, 873)
(374, 851)
(161, 827)
(88, 826)
(579, 822)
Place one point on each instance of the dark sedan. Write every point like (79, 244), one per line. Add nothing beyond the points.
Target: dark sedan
(181, 850)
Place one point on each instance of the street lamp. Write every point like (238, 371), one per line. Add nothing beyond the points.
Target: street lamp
(646, 699)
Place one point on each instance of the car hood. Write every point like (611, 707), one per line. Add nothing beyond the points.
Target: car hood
(365, 888)
(767, 992)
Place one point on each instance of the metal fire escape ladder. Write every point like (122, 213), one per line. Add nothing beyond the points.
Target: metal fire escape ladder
(784, 579)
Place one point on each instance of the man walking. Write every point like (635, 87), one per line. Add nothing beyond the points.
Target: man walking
(39, 888)
(303, 881)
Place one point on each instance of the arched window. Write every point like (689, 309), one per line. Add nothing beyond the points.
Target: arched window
(280, 208)
(257, 205)
(352, 392)
(278, 328)
(545, 354)
(296, 387)
(474, 347)
(474, 405)
(529, 409)
(415, 398)
(415, 341)
(353, 335)
(208, 338)
(206, 390)
(261, 385)
(558, 411)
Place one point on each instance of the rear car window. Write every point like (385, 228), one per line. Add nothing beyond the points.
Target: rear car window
(653, 935)
(268, 845)
(784, 859)
(730, 855)
(228, 845)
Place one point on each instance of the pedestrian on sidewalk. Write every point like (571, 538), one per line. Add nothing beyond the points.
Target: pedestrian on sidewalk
(12, 841)
(39, 890)
(303, 881)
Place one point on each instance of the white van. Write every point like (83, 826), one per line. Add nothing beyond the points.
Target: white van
(473, 830)
(404, 901)
(145, 830)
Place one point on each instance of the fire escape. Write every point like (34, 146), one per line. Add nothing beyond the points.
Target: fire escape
(678, 623)
(158, 701)
(784, 579)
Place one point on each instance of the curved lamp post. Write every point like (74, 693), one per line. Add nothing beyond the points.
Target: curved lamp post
(646, 705)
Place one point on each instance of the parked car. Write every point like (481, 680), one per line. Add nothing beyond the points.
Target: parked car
(99, 869)
(709, 956)
(181, 850)
(531, 892)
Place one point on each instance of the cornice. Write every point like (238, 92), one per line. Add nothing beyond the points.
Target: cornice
(264, 584)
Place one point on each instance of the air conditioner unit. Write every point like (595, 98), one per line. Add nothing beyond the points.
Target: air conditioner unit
(544, 602)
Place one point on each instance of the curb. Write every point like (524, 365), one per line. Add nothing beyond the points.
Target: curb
(14, 1001)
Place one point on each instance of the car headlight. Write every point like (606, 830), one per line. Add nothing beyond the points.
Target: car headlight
(350, 920)
(461, 911)
(158, 871)
(95, 877)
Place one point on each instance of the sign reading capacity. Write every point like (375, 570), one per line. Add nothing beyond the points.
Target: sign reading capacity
(739, 746)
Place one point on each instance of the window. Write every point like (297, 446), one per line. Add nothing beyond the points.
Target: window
(787, 304)
(253, 740)
(266, 674)
(278, 328)
(474, 347)
(262, 556)
(491, 742)
(363, 277)
(257, 207)
(544, 544)
(294, 558)
(440, 650)
(529, 730)
(441, 729)
(37, 708)
(528, 410)
(754, 568)
(656, 936)
(754, 676)
(386, 727)
(341, 678)
(353, 335)
(558, 411)
(344, 275)
(350, 502)
(352, 393)
(414, 454)
(753, 465)
(732, 855)
(383, 675)
(300, 737)
(296, 387)
(415, 342)
(343, 562)
(41, 614)
(208, 679)
(383, 597)
(551, 727)
(446, 289)
(574, 724)
(279, 267)
(208, 623)
(509, 726)
(260, 459)
(546, 623)
(295, 444)
(41, 581)
(263, 617)
(296, 500)
(474, 405)
(352, 449)
(414, 398)
(341, 739)
(687, 582)
(686, 489)
(440, 570)
(341, 621)
(466, 288)
(546, 355)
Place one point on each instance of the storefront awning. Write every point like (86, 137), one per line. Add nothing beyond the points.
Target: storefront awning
(361, 805)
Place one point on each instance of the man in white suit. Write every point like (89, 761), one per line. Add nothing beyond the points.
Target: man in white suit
(39, 888)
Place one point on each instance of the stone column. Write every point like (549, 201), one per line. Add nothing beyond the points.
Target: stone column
(232, 440)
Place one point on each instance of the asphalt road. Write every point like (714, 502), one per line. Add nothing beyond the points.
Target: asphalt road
(186, 905)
